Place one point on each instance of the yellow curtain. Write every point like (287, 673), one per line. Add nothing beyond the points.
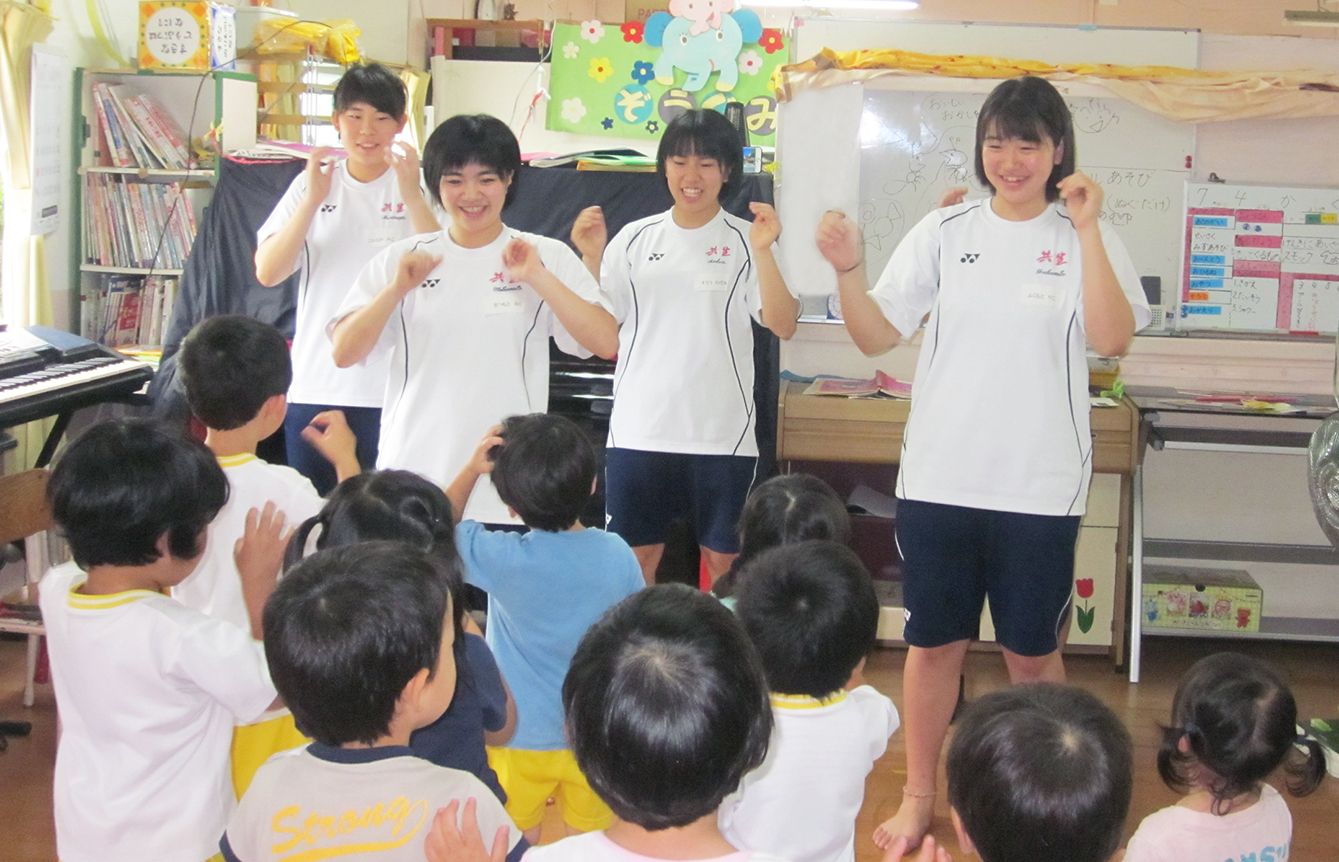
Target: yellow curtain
(24, 295)
(1183, 95)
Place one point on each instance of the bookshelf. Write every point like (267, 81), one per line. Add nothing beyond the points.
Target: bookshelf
(141, 193)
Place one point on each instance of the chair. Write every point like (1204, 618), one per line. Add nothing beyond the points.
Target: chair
(24, 514)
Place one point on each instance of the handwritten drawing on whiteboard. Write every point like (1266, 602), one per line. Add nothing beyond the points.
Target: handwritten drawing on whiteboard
(916, 144)
(1260, 258)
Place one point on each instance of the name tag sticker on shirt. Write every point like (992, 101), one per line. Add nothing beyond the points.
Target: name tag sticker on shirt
(505, 302)
(381, 238)
(713, 283)
(1049, 295)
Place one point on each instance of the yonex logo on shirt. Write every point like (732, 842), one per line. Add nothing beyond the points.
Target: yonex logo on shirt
(655, 256)
(969, 258)
(431, 282)
(328, 208)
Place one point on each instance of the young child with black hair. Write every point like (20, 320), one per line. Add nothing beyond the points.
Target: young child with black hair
(789, 508)
(667, 710)
(359, 641)
(545, 588)
(236, 371)
(396, 505)
(1036, 773)
(466, 313)
(335, 216)
(1234, 724)
(684, 286)
(148, 689)
(811, 613)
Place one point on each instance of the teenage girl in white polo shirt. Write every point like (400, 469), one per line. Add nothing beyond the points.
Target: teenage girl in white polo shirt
(683, 285)
(997, 452)
(465, 314)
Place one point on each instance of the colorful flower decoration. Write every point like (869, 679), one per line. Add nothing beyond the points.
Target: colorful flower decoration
(593, 31)
(652, 126)
(573, 110)
(607, 123)
(1084, 587)
(770, 41)
(749, 62)
(642, 71)
(1085, 614)
(633, 31)
(600, 69)
(570, 50)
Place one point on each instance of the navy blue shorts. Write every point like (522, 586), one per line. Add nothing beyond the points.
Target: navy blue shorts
(303, 457)
(955, 558)
(645, 491)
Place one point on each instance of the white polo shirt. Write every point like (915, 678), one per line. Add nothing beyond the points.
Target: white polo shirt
(468, 348)
(149, 691)
(353, 223)
(683, 299)
(999, 410)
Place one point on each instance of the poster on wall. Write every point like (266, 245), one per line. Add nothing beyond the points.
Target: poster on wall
(629, 80)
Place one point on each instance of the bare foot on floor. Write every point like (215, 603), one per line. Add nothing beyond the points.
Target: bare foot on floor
(911, 822)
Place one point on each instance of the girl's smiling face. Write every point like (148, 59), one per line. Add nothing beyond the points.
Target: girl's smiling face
(473, 195)
(366, 134)
(695, 184)
(1020, 171)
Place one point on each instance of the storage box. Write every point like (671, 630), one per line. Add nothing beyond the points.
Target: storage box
(187, 34)
(1178, 597)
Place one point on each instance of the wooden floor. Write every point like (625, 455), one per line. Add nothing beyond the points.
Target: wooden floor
(1312, 670)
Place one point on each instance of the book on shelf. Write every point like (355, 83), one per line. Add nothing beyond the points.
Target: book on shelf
(119, 310)
(136, 224)
(136, 131)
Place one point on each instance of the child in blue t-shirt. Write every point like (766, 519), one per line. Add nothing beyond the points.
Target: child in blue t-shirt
(545, 587)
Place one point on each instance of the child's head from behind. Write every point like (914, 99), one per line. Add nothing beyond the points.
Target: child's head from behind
(667, 707)
(811, 612)
(373, 85)
(703, 134)
(127, 490)
(471, 140)
(1234, 722)
(393, 506)
(355, 633)
(1040, 773)
(791, 508)
(1027, 109)
(544, 469)
(231, 366)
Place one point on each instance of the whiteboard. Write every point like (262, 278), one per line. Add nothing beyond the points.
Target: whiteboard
(914, 142)
(1260, 258)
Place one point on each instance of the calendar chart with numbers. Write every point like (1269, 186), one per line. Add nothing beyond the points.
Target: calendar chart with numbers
(1260, 258)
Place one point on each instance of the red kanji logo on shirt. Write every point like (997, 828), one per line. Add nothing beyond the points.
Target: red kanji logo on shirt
(711, 251)
(399, 208)
(1045, 257)
(497, 278)
(1059, 258)
(725, 251)
(387, 207)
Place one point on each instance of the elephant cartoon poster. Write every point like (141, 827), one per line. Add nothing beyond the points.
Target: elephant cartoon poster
(629, 80)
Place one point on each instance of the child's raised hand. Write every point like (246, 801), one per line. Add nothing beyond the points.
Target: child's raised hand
(590, 234)
(952, 197)
(1083, 199)
(403, 159)
(838, 241)
(329, 433)
(448, 842)
(522, 260)
(480, 460)
(414, 267)
(260, 551)
(766, 225)
(320, 167)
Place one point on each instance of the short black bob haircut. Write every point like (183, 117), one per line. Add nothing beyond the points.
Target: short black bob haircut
(346, 629)
(1240, 722)
(124, 484)
(709, 135)
(667, 707)
(371, 84)
(789, 508)
(1027, 109)
(1041, 773)
(471, 139)
(230, 366)
(544, 469)
(811, 612)
(393, 506)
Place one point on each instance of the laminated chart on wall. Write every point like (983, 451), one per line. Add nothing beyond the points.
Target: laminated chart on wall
(1260, 258)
